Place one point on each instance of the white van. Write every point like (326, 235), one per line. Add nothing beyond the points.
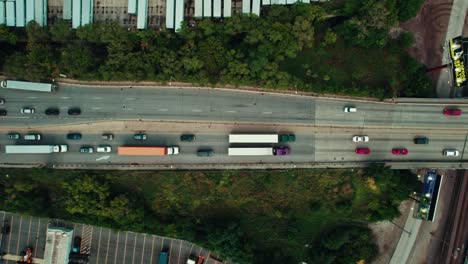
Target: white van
(32, 137)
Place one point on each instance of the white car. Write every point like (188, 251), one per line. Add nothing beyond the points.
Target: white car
(451, 152)
(360, 139)
(27, 110)
(105, 149)
(350, 109)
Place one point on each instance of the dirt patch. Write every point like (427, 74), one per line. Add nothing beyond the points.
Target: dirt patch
(429, 29)
(387, 234)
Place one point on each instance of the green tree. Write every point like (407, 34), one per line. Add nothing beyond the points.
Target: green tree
(86, 196)
(329, 38)
(61, 32)
(408, 9)
(78, 60)
(369, 26)
(6, 36)
(344, 244)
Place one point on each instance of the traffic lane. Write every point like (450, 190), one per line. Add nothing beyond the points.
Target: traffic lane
(163, 104)
(379, 114)
(340, 147)
(302, 149)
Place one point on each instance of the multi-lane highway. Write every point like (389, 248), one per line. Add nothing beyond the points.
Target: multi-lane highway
(323, 130)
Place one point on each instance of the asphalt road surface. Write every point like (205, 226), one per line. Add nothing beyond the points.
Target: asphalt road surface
(328, 139)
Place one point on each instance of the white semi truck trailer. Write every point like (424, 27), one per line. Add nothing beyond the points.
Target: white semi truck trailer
(28, 86)
(35, 149)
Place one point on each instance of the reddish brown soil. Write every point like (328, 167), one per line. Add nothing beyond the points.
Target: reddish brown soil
(429, 29)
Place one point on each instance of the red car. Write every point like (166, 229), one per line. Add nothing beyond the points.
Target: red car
(452, 112)
(363, 151)
(399, 151)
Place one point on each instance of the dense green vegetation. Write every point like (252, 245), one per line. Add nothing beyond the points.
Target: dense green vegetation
(341, 47)
(251, 216)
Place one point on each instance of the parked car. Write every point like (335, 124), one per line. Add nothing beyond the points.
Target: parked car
(76, 244)
(187, 137)
(205, 152)
(421, 140)
(86, 149)
(2, 101)
(360, 139)
(350, 109)
(107, 136)
(399, 151)
(3, 112)
(451, 152)
(28, 110)
(74, 136)
(105, 149)
(452, 112)
(140, 136)
(363, 151)
(14, 136)
(281, 151)
(287, 137)
(52, 111)
(74, 111)
(201, 259)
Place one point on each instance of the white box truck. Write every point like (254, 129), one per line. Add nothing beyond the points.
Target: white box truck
(35, 149)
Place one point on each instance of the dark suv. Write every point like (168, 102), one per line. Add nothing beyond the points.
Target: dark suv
(421, 140)
(74, 136)
(187, 137)
(205, 152)
(52, 111)
(74, 111)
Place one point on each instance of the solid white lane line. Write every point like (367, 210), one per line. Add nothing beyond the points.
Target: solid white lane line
(267, 113)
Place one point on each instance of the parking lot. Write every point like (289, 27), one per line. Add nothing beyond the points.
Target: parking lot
(103, 245)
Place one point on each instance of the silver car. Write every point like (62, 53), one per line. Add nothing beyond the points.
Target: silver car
(27, 110)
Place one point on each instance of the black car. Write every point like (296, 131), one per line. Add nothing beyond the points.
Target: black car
(75, 136)
(205, 152)
(74, 111)
(52, 111)
(421, 140)
(3, 112)
(187, 137)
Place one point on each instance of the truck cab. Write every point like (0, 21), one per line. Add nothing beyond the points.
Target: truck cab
(173, 150)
